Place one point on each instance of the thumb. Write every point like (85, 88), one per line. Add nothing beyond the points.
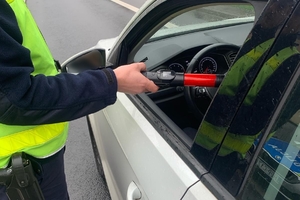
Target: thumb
(151, 87)
(141, 66)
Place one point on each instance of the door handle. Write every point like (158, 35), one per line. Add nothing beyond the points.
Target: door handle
(133, 192)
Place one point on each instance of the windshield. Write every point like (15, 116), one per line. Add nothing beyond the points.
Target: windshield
(207, 17)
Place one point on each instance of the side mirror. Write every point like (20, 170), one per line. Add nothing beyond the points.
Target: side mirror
(85, 60)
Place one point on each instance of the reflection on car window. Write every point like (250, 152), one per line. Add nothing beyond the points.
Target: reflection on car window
(276, 174)
(225, 142)
(207, 18)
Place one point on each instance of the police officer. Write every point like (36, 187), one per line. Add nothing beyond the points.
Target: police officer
(36, 101)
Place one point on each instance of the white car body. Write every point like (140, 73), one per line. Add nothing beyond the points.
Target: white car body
(145, 170)
(177, 173)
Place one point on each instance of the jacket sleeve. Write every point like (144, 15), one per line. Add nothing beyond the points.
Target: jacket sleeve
(33, 100)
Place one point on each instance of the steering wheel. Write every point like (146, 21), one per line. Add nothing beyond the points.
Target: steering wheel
(199, 98)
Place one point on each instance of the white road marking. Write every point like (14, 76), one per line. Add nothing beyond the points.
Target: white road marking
(126, 5)
(135, 9)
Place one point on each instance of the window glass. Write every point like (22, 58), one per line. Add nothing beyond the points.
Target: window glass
(276, 174)
(248, 96)
(207, 17)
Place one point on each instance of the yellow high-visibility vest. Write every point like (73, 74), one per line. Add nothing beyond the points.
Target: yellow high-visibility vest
(39, 141)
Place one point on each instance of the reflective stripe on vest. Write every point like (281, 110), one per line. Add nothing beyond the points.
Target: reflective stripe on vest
(38, 141)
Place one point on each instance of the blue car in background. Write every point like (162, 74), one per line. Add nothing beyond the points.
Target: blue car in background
(279, 162)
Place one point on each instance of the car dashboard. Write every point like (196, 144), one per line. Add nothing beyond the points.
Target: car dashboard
(214, 63)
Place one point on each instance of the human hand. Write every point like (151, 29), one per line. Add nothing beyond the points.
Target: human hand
(132, 81)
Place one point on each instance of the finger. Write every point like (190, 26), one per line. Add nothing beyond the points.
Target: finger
(151, 86)
(142, 66)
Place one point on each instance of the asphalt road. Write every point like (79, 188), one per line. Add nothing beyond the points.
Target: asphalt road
(70, 26)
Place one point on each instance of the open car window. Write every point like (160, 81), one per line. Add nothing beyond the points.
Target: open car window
(173, 47)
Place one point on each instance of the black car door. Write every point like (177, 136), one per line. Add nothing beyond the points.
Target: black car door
(248, 125)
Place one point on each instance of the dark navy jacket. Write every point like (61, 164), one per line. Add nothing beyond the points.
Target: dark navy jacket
(32, 100)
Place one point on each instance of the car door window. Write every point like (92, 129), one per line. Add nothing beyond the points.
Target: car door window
(276, 173)
(248, 96)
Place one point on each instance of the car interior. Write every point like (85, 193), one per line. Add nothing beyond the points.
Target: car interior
(195, 47)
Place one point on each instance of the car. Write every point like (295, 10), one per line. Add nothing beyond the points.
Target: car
(224, 123)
